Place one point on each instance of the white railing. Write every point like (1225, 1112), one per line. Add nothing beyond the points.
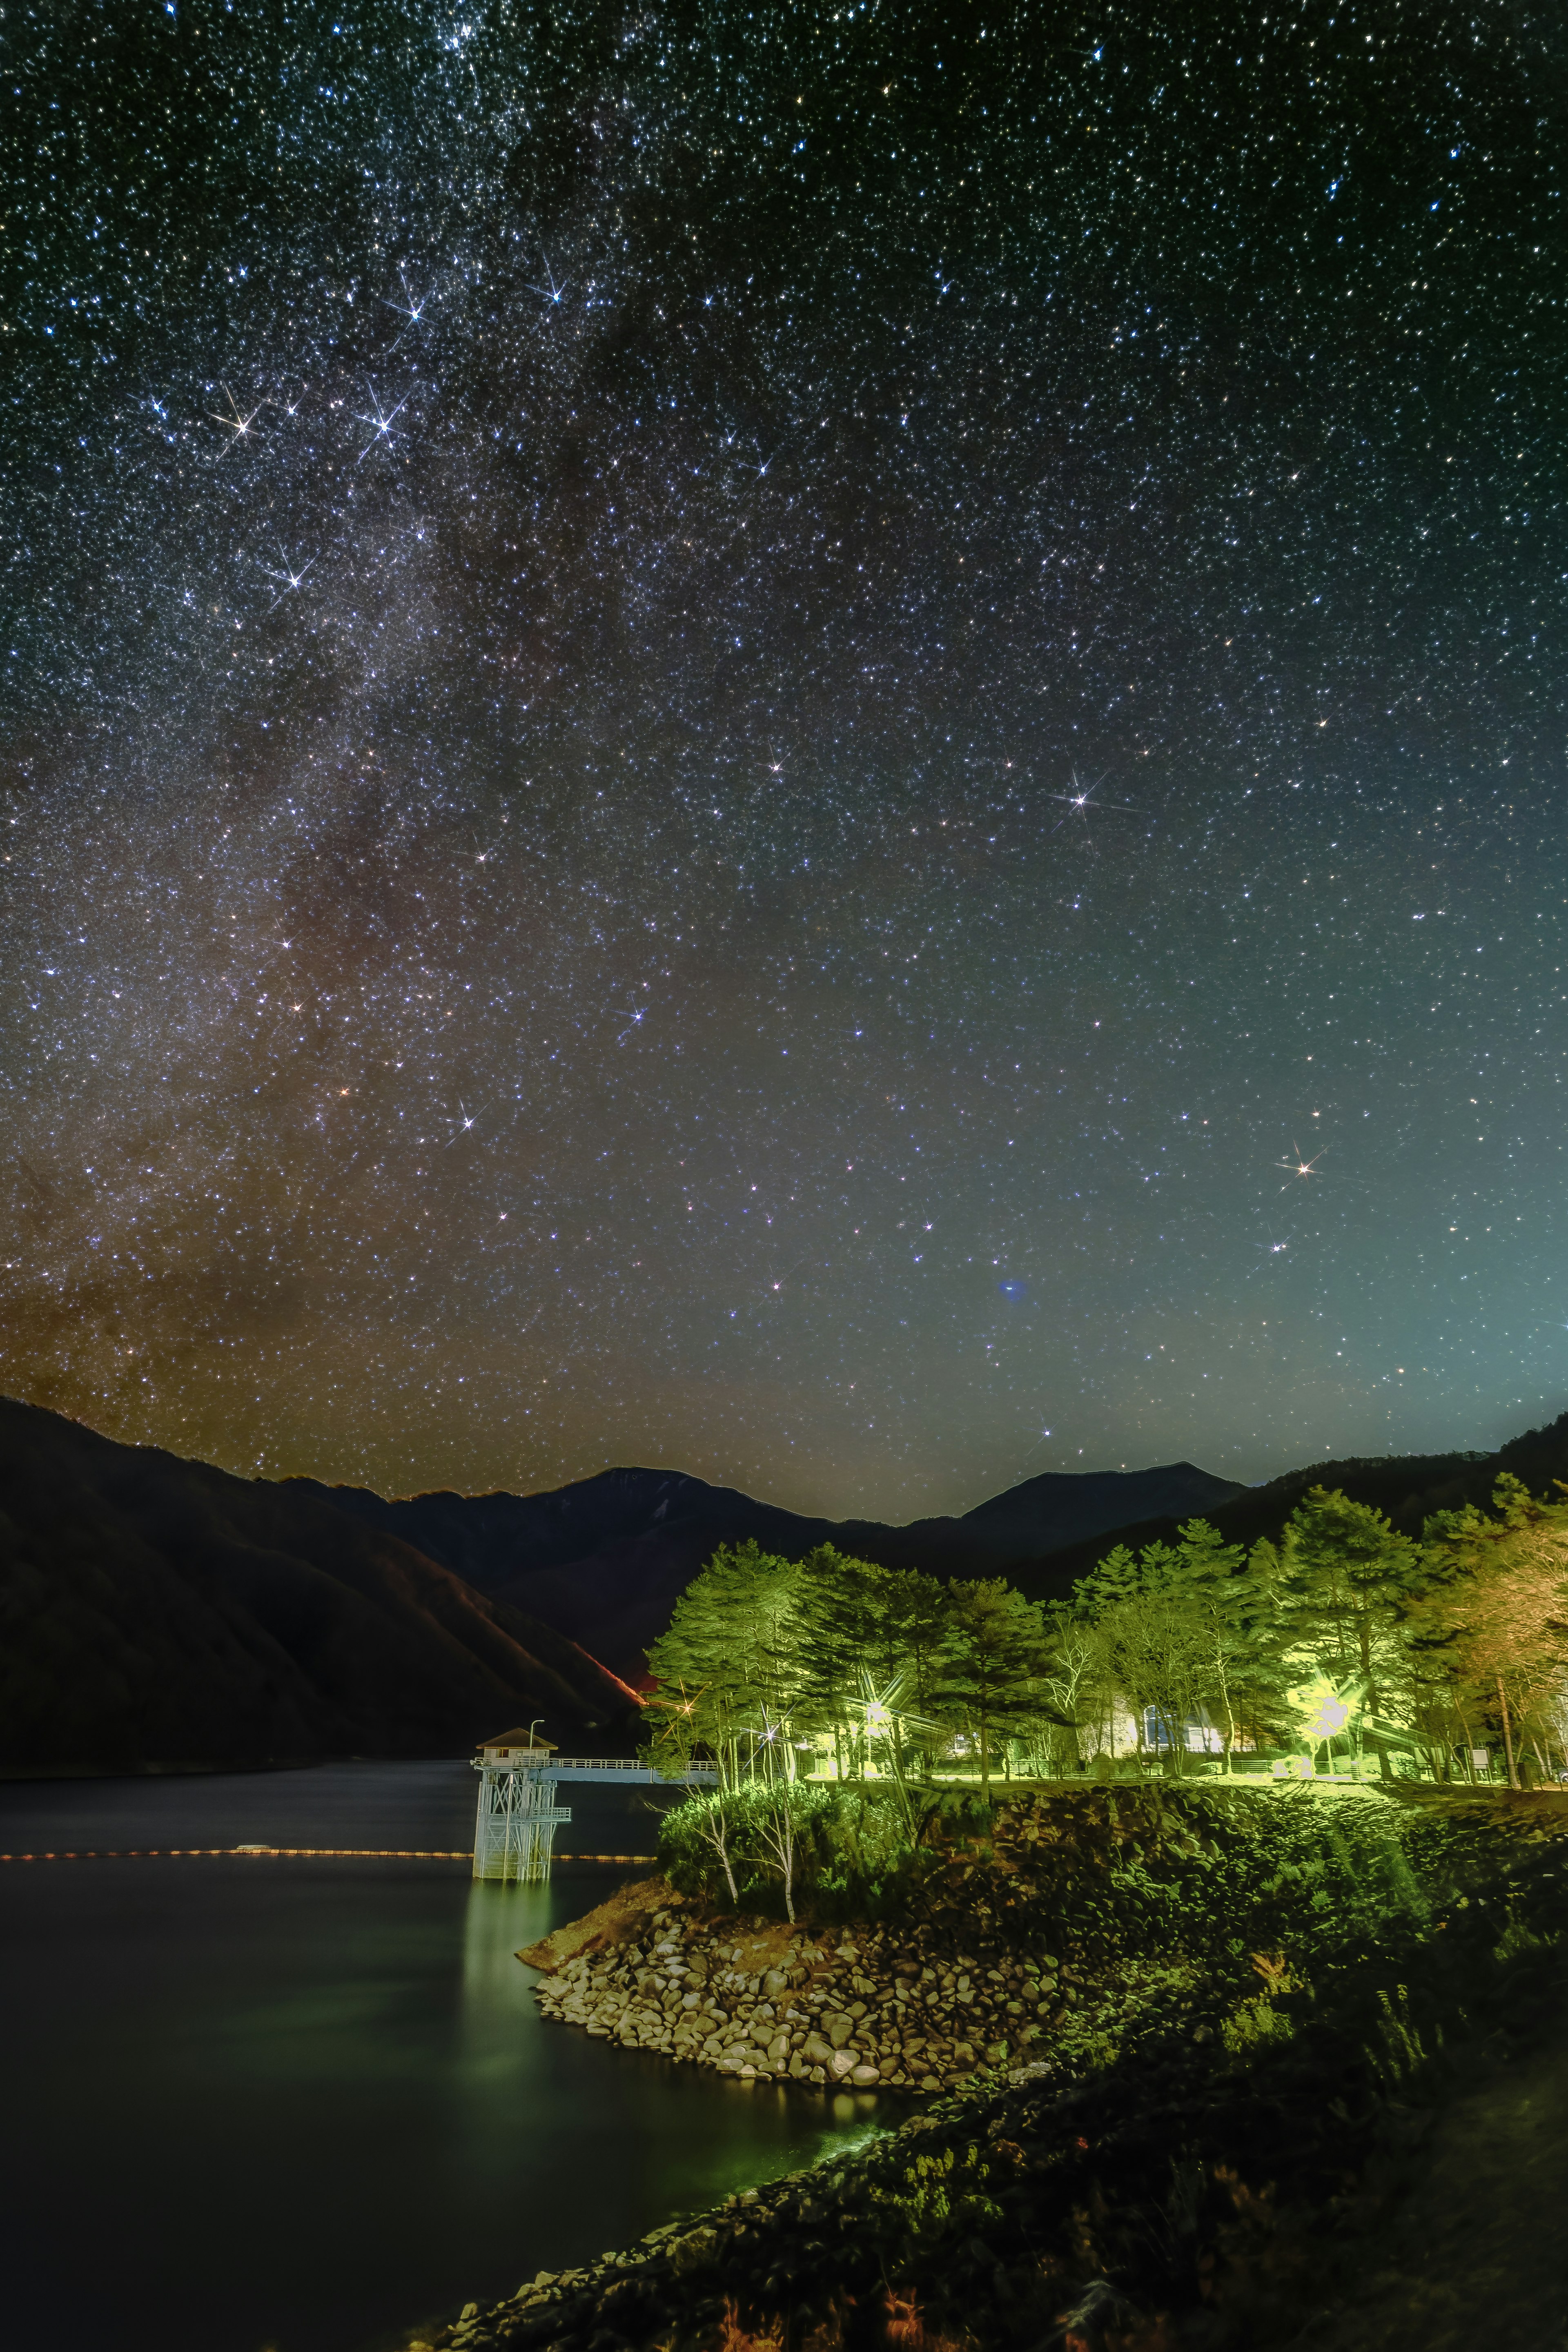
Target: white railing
(554, 1767)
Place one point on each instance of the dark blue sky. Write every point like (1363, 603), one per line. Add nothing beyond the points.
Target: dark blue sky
(683, 688)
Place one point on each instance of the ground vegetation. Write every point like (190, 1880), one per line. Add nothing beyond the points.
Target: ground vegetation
(1262, 2001)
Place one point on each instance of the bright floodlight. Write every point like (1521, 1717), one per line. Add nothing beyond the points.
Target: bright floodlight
(1330, 1715)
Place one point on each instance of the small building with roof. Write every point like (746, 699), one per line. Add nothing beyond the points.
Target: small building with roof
(518, 1747)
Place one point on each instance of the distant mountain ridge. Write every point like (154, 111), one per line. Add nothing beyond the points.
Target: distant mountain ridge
(605, 1559)
(154, 1610)
(1408, 1488)
(159, 1611)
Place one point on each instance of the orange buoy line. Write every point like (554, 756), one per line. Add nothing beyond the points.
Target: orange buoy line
(246, 1852)
(293, 1852)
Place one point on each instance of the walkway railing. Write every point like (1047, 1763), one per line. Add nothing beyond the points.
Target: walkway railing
(620, 1768)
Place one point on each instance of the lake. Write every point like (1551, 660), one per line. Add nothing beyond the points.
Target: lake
(301, 2105)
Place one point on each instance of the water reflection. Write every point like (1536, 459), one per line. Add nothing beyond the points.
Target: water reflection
(320, 2101)
(497, 2016)
(500, 1921)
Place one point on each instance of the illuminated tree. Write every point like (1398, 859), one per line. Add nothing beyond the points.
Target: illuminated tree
(843, 1631)
(1233, 1618)
(1496, 1613)
(915, 1629)
(1150, 1643)
(991, 1661)
(1063, 1685)
(729, 1667)
(709, 1817)
(1346, 1577)
(775, 1820)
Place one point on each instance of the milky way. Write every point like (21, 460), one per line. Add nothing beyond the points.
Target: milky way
(726, 731)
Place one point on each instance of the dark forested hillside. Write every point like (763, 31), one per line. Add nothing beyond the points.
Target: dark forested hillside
(606, 1559)
(158, 1610)
(1407, 1487)
(155, 1611)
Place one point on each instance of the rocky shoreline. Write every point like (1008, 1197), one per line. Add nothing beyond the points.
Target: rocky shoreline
(924, 2004)
(904, 2010)
(1136, 2150)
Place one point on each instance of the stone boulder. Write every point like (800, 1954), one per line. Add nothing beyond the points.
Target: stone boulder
(694, 2251)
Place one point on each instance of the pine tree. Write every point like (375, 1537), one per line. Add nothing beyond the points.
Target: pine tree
(1233, 1615)
(1152, 1643)
(915, 1620)
(1495, 1614)
(992, 1658)
(843, 1634)
(1345, 1577)
(728, 1671)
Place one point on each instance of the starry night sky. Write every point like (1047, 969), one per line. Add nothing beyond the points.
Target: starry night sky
(723, 727)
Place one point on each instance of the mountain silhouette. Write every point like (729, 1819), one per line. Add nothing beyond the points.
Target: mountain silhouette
(605, 1559)
(155, 1612)
(1406, 1487)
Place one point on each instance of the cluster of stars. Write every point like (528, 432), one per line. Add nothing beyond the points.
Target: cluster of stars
(717, 745)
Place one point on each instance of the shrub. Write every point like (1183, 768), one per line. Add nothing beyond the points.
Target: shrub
(858, 1848)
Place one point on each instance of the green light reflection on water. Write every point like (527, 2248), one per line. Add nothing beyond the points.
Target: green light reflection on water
(708, 2135)
(497, 2019)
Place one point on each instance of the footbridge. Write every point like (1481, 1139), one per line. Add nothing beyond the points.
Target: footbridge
(515, 1829)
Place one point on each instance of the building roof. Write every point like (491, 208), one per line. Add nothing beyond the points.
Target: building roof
(519, 1738)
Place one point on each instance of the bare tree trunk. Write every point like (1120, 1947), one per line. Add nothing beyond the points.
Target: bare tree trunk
(896, 1759)
(778, 1834)
(716, 1831)
(1507, 1736)
(1229, 1718)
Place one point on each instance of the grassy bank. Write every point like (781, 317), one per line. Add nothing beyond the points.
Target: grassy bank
(1270, 1990)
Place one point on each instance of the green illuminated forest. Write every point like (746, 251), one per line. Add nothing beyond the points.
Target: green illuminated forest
(1346, 1647)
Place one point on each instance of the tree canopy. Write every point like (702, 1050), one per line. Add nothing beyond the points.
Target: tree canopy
(1347, 1642)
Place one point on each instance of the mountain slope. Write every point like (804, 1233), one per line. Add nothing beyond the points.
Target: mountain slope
(157, 1610)
(606, 1559)
(1067, 1507)
(153, 1609)
(1407, 1487)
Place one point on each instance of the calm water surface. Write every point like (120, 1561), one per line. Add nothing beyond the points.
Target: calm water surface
(302, 2105)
